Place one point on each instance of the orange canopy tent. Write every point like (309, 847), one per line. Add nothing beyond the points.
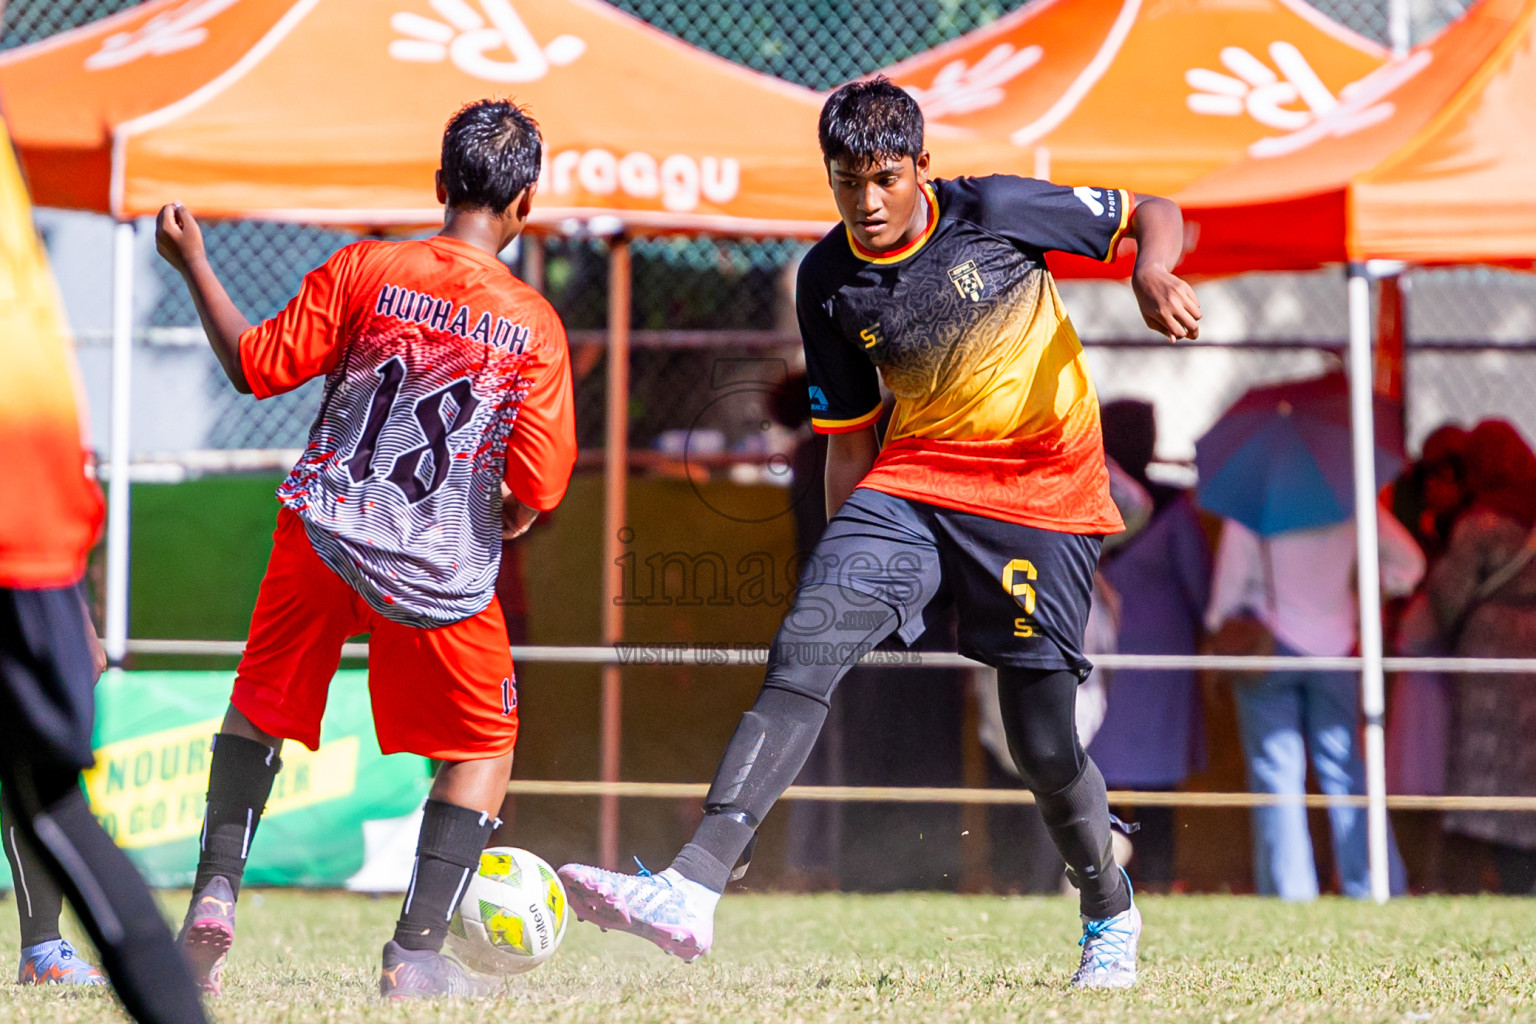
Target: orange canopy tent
(331, 111)
(1428, 160)
(1140, 94)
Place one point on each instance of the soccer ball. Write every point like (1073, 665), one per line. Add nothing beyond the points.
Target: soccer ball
(512, 916)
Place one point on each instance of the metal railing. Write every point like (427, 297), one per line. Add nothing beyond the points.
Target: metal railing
(737, 655)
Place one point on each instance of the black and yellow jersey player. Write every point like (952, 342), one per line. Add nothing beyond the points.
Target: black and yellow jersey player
(989, 487)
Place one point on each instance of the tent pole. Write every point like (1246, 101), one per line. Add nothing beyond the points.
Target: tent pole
(1373, 701)
(117, 486)
(1399, 27)
(615, 478)
(1391, 331)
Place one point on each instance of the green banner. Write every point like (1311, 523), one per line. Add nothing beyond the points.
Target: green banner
(151, 776)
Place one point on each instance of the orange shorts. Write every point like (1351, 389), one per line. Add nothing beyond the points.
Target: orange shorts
(446, 693)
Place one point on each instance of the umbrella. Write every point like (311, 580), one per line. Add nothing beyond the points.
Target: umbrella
(1280, 458)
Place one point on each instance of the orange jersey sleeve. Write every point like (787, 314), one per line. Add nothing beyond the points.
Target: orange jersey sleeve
(542, 451)
(305, 340)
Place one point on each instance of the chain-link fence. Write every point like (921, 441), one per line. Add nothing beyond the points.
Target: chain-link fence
(813, 42)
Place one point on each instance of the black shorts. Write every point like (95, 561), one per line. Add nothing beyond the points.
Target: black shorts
(1022, 594)
(47, 680)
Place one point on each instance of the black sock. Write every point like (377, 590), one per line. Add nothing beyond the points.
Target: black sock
(711, 857)
(135, 946)
(38, 899)
(1077, 818)
(447, 854)
(239, 783)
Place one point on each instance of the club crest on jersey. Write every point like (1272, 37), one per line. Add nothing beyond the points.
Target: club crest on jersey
(967, 279)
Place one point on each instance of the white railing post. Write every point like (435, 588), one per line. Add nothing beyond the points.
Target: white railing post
(1372, 683)
(118, 441)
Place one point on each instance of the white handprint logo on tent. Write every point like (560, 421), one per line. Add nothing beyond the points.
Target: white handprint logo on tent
(1255, 88)
(960, 88)
(1362, 104)
(464, 37)
(180, 28)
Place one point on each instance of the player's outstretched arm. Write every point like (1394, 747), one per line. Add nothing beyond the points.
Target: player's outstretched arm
(180, 241)
(1168, 304)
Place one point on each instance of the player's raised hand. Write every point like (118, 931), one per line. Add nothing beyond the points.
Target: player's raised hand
(178, 237)
(1168, 304)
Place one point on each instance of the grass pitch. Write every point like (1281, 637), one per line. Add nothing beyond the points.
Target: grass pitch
(313, 957)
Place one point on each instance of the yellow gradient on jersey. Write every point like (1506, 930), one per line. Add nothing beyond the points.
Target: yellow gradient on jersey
(52, 512)
(1017, 372)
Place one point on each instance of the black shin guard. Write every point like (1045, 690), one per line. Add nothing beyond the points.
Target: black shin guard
(768, 750)
(447, 854)
(38, 899)
(775, 738)
(239, 783)
(1077, 818)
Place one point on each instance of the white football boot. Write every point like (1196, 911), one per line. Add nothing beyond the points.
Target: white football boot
(1109, 949)
(673, 912)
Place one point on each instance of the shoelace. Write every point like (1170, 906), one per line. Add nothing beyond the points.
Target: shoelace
(1105, 941)
(647, 900)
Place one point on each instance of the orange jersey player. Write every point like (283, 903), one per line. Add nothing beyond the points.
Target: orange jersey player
(446, 425)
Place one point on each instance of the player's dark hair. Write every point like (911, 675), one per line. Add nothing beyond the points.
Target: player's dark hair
(869, 121)
(491, 152)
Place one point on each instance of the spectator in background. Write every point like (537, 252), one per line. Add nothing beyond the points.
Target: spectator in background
(1430, 494)
(1482, 599)
(1298, 587)
(1153, 734)
(1427, 498)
